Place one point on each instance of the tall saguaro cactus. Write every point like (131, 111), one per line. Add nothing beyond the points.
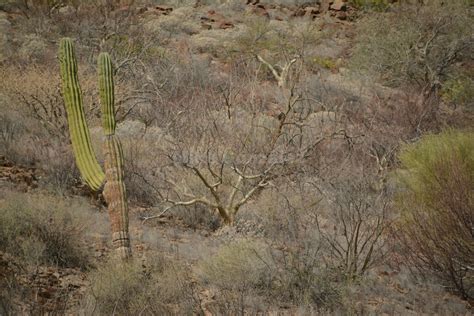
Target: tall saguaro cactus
(114, 188)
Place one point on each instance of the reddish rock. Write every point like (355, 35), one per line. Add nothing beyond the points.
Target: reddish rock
(341, 15)
(311, 11)
(299, 12)
(141, 10)
(212, 17)
(225, 25)
(324, 5)
(260, 11)
(338, 5)
(206, 19)
(165, 10)
(206, 26)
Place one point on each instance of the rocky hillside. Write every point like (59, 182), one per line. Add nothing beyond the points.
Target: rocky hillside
(280, 157)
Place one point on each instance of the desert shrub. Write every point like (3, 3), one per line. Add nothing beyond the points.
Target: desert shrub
(459, 90)
(322, 62)
(10, 129)
(414, 44)
(303, 279)
(301, 276)
(290, 271)
(9, 283)
(437, 203)
(238, 270)
(275, 41)
(36, 132)
(370, 4)
(198, 216)
(358, 218)
(138, 288)
(238, 266)
(44, 230)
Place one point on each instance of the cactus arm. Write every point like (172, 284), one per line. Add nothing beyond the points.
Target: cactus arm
(114, 189)
(106, 91)
(80, 138)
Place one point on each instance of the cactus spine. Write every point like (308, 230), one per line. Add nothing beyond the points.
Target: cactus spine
(114, 188)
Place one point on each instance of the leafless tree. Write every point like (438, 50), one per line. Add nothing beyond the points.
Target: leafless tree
(354, 232)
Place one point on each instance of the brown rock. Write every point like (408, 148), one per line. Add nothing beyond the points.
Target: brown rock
(225, 25)
(206, 26)
(165, 10)
(299, 12)
(338, 5)
(311, 11)
(205, 19)
(141, 10)
(260, 11)
(341, 15)
(324, 5)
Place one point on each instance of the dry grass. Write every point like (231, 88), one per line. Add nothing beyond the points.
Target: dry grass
(42, 229)
(156, 287)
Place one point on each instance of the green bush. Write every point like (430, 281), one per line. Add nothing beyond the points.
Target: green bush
(44, 230)
(437, 203)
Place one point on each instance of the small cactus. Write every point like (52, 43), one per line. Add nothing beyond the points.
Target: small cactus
(114, 188)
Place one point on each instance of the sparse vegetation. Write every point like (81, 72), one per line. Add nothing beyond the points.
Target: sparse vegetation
(280, 157)
(415, 44)
(152, 288)
(370, 4)
(44, 230)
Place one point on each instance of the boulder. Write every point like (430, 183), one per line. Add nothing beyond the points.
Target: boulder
(260, 10)
(225, 25)
(311, 11)
(165, 10)
(324, 5)
(338, 5)
(66, 10)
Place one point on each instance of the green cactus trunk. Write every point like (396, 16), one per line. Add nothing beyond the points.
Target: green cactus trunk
(80, 138)
(114, 188)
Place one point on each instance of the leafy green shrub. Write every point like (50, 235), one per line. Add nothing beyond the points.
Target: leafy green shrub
(437, 203)
(137, 288)
(44, 230)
